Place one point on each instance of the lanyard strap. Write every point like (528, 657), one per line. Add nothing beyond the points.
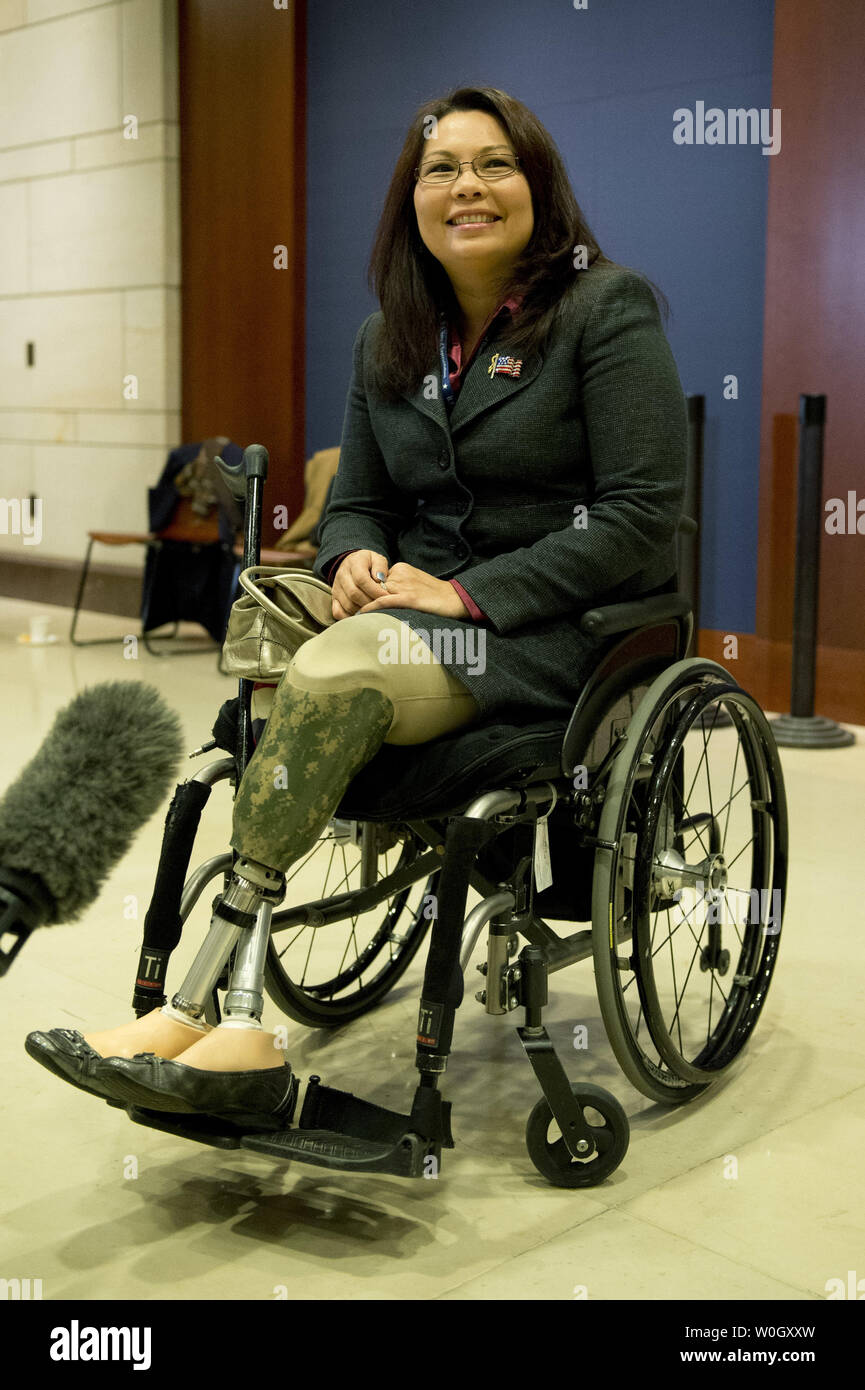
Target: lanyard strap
(447, 389)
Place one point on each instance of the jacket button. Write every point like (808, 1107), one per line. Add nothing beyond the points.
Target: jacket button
(444, 459)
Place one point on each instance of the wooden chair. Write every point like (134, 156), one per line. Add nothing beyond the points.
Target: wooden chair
(185, 527)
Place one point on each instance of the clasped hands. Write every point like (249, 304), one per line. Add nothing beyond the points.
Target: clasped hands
(357, 590)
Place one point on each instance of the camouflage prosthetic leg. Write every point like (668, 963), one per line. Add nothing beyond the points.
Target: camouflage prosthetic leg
(313, 745)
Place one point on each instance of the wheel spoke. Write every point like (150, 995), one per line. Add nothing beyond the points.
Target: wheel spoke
(708, 766)
(301, 929)
(300, 863)
(695, 828)
(685, 922)
(673, 968)
(696, 771)
(730, 797)
(739, 855)
(711, 990)
(678, 997)
(351, 938)
(744, 786)
(682, 923)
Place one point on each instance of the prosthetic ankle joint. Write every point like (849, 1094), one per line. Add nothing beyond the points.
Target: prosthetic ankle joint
(241, 918)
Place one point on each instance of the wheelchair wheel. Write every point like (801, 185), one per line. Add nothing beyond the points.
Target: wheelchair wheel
(326, 975)
(611, 1133)
(689, 884)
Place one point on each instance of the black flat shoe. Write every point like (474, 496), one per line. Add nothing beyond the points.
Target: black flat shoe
(262, 1099)
(65, 1053)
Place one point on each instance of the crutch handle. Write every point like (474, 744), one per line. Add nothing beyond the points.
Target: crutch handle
(252, 465)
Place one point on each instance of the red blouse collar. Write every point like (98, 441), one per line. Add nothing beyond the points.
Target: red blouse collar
(513, 303)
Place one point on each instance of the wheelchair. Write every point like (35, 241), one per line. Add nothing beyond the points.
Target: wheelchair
(654, 822)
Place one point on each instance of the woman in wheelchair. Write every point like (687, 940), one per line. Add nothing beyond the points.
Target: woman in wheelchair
(513, 453)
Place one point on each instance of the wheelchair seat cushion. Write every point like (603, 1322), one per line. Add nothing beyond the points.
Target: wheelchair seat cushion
(402, 782)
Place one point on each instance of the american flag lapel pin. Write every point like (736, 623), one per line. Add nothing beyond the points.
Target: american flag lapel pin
(504, 366)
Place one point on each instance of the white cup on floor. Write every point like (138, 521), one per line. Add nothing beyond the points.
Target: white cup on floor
(39, 633)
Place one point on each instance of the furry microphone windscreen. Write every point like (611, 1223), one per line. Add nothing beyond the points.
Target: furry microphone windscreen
(104, 768)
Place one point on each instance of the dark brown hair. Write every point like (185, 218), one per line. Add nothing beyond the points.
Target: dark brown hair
(413, 287)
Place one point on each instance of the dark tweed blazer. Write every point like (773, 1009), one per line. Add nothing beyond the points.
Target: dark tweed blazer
(488, 493)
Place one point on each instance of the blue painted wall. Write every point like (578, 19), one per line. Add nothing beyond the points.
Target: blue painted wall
(605, 82)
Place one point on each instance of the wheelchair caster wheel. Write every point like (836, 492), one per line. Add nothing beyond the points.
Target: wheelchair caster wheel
(721, 963)
(553, 1159)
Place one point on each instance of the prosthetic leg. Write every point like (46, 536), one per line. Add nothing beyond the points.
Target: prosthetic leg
(314, 743)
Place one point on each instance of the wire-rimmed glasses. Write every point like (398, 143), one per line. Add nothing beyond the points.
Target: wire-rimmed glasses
(489, 166)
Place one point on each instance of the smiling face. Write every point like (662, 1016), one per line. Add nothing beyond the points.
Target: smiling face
(486, 249)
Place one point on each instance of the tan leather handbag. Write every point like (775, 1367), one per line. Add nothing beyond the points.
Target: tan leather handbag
(279, 610)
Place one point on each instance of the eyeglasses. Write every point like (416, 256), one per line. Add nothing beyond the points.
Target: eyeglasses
(489, 167)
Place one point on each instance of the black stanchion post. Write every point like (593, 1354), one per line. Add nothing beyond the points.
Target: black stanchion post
(801, 728)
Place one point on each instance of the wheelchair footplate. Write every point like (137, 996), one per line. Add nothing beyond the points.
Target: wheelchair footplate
(335, 1130)
(205, 1129)
(339, 1130)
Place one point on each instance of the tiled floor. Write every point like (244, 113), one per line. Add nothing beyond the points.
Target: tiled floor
(97, 1207)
